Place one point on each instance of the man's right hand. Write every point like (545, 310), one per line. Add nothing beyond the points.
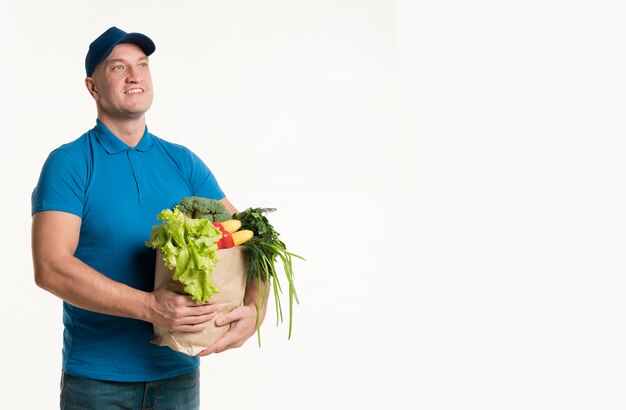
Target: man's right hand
(179, 313)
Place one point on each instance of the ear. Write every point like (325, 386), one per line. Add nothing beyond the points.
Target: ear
(91, 87)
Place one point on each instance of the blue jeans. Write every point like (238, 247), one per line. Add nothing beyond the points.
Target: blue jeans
(176, 393)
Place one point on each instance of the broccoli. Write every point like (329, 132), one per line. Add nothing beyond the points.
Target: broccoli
(203, 208)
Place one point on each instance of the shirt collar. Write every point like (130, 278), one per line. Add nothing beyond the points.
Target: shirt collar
(114, 145)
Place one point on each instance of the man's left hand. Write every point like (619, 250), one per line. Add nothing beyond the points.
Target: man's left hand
(242, 321)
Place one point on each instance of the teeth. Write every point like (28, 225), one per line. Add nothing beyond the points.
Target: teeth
(134, 90)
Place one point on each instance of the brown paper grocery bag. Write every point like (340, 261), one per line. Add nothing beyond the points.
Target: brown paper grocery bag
(229, 277)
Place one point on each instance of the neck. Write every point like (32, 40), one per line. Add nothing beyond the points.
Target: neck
(130, 130)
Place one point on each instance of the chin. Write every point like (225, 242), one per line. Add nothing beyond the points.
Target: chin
(138, 111)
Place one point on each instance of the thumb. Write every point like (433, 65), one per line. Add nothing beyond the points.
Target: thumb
(222, 320)
(229, 317)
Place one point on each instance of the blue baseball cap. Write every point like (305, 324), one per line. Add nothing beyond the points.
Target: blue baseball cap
(101, 47)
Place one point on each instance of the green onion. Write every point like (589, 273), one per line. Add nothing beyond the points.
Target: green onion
(264, 249)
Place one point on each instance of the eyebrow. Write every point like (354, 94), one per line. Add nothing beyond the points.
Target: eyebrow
(121, 60)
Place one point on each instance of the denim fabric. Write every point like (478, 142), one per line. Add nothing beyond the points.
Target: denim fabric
(176, 393)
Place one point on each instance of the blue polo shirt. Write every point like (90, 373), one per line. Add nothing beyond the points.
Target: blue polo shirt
(118, 191)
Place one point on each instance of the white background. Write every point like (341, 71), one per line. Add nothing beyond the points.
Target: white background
(452, 171)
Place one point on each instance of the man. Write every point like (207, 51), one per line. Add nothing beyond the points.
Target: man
(93, 209)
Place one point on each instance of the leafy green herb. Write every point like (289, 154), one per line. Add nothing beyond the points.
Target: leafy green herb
(264, 249)
(255, 220)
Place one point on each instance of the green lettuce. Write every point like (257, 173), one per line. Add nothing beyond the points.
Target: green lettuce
(189, 248)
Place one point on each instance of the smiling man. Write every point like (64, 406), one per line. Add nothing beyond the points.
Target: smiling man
(93, 209)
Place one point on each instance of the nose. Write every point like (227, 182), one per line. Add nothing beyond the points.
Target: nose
(134, 76)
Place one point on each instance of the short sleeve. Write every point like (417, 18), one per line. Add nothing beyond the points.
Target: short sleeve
(202, 181)
(61, 185)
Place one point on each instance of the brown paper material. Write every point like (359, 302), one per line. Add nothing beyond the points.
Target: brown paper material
(229, 277)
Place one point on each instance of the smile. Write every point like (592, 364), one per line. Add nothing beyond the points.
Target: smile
(134, 91)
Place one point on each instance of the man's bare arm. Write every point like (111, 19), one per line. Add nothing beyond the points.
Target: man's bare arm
(54, 240)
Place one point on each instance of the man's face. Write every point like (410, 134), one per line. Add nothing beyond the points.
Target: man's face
(123, 83)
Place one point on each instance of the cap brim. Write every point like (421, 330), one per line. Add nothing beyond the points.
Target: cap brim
(139, 39)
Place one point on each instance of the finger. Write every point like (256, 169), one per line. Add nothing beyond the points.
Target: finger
(207, 351)
(194, 323)
(188, 301)
(223, 343)
(201, 310)
(227, 318)
(195, 317)
(222, 320)
(203, 353)
(234, 337)
(191, 322)
(194, 328)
